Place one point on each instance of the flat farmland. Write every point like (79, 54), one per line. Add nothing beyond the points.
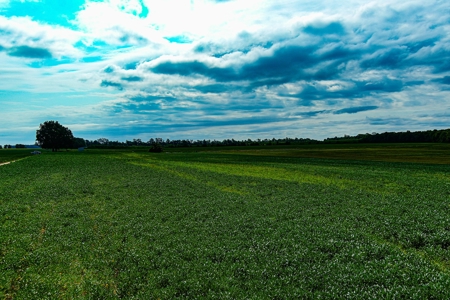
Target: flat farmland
(9, 155)
(422, 153)
(263, 223)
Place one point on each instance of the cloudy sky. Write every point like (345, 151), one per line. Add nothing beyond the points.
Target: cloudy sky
(216, 69)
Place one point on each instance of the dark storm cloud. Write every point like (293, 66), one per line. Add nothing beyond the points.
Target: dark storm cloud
(29, 52)
(240, 121)
(443, 80)
(414, 82)
(391, 59)
(243, 42)
(324, 29)
(443, 64)
(312, 113)
(131, 65)
(390, 121)
(417, 45)
(358, 89)
(132, 78)
(109, 69)
(405, 55)
(441, 121)
(292, 63)
(195, 68)
(219, 51)
(248, 106)
(107, 83)
(182, 68)
(143, 104)
(435, 57)
(354, 110)
(385, 85)
(217, 88)
(286, 64)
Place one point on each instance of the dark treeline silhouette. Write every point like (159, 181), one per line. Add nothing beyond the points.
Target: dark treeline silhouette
(429, 136)
(105, 143)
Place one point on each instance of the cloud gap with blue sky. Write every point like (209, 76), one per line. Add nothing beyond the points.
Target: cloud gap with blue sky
(205, 69)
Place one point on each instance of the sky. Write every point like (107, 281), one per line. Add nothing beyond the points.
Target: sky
(219, 69)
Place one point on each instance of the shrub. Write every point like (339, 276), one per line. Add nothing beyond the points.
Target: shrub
(156, 148)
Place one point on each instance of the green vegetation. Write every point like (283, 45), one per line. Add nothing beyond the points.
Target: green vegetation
(261, 224)
(422, 153)
(8, 155)
(429, 136)
(52, 135)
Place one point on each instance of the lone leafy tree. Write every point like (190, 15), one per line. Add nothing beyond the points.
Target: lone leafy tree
(156, 148)
(52, 135)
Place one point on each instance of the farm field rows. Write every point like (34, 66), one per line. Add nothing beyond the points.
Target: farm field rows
(421, 153)
(223, 224)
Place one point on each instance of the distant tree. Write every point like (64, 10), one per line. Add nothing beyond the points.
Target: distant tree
(1, 147)
(156, 148)
(103, 141)
(52, 135)
(79, 142)
(18, 146)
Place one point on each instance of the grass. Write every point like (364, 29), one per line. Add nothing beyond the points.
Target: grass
(8, 155)
(417, 153)
(225, 224)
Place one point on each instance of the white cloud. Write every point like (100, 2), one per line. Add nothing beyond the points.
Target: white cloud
(109, 22)
(23, 31)
(233, 35)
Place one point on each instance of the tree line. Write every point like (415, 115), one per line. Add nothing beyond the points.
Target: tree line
(18, 146)
(105, 143)
(428, 136)
(52, 135)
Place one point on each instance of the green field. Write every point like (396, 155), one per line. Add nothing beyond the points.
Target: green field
(8, 155)
(321, 222)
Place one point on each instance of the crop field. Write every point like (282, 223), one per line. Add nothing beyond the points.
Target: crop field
(8, 155)
(250, 224)
(423, 153)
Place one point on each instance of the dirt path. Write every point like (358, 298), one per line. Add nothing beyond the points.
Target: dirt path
(10, 162)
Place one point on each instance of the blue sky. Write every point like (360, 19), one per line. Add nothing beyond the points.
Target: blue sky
(205, 69)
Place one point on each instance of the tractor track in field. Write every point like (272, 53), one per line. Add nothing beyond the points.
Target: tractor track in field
(13, 161)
